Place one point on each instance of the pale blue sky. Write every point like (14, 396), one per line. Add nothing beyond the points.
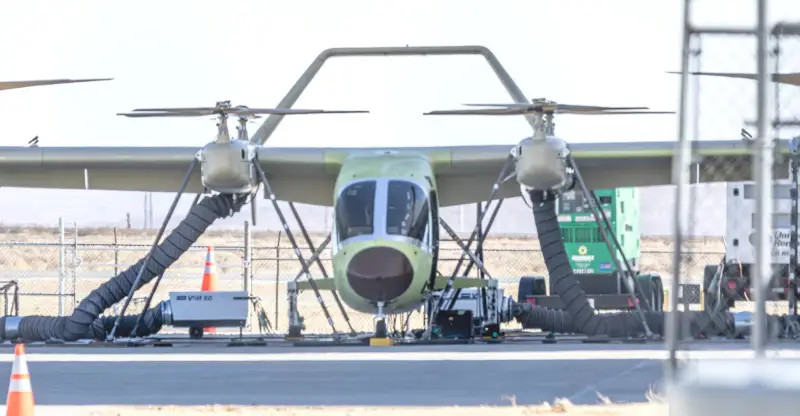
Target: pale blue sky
(192, 53)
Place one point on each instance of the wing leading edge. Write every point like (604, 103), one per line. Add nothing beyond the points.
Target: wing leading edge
(307, 175)
(472, 170)
(296, 174)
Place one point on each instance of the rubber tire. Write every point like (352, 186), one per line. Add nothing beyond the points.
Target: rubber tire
(646, 283)
(658, 292)
(195, 332)
(380, 329)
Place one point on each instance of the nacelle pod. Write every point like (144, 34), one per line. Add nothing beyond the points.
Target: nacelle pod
(228, 167)
(542, 165)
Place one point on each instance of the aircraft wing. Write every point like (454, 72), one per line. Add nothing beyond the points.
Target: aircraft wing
(307, 175)
(471, 170)
(296, 174)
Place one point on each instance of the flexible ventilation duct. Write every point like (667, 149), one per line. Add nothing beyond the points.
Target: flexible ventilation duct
(84, 323)
(578, 316)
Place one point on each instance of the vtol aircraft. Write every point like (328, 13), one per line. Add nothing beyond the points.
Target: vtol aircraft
(386, 201)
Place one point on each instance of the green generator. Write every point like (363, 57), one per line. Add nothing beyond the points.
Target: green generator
(592, 262)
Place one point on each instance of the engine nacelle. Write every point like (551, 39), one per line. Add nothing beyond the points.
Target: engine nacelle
(542, 165)
(228, 167)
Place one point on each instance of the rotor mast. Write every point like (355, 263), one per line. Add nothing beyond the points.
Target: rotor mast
(242, 128)
(223, 136)
(544, 125)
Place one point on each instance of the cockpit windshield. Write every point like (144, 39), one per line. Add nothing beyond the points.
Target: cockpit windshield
(355, 210)
(406, 210)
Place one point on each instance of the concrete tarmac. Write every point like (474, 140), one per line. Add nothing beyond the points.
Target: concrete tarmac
(396, 376)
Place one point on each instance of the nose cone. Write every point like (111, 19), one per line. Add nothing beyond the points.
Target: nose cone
(379, 273)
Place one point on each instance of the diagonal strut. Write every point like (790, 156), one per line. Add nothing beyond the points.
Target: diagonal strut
(271, 196)
(304, 232)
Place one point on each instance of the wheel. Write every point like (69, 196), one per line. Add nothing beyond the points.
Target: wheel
(195, 333)
(530, 285)
(646, 284)
(653, 290)
(658, 294)
(295, 331)
(380, 329)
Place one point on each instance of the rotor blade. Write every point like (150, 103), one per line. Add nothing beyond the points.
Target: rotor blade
(163, 114)
(8, 85)
(521, 111)
(792, 78)
(197, 111)
(557, 106)
(607, 113)
(179, 109)
(289, 111)
(484, 111)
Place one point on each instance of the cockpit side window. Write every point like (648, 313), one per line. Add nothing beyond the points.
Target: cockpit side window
(407, 212)
(355, 210)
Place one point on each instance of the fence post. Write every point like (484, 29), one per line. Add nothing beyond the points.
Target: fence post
(61, 266)
(277, 274)
(247, 274)
(116, 253)
(75, 265)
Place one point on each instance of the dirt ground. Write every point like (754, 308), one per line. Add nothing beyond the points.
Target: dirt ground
(656, 409)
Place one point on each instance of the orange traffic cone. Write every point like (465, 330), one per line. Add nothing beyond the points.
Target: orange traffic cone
(209, 280)
(20, 394)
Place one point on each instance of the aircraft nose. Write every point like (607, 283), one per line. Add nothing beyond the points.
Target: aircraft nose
(379, 273)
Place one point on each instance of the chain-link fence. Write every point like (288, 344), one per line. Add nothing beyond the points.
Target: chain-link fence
(726, 102)
(49, 271)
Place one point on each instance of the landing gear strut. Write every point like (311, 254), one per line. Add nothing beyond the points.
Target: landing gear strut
(380, 325)
(380, 329)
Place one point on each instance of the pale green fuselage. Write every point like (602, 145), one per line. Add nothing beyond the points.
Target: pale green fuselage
(395, 251)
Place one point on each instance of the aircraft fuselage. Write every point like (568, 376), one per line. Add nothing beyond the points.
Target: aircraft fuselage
(385, 231)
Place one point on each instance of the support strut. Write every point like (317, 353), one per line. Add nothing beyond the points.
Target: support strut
(294, 313)
(463, 246)
(319, 263)
(631, 283)
(269, 194)
(793, 258)
(501, 178)
(480, 251)
(155, 284)
(316, 254)
(451, 280)
(471, 263)
(136, 282)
